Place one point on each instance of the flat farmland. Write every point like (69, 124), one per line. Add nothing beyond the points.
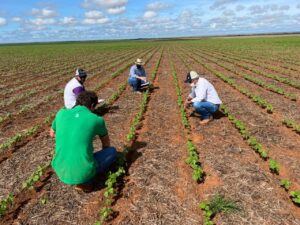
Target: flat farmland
(172, 168)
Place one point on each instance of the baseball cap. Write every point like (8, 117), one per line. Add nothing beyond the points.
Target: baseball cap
(191, 76)
(80, 72)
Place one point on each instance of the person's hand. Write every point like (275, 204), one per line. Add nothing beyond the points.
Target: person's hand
(187, 104)
(52, 133)
(144, 79)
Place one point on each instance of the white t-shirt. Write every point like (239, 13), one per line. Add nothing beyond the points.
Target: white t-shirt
(204, 91)
(72, 90)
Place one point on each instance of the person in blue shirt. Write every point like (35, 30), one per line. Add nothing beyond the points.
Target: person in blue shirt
(137, 76)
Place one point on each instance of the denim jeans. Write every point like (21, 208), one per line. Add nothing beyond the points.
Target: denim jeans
(134, 83)
(205, 109)
(104, 159)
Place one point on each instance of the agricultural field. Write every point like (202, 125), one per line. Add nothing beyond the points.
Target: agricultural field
(241, 168)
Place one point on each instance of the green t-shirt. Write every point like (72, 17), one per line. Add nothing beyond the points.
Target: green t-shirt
(75, 130)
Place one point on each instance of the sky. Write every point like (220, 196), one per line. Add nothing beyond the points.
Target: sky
(57, 20)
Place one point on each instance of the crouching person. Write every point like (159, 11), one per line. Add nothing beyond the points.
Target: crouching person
(75, 162)
(204, 97)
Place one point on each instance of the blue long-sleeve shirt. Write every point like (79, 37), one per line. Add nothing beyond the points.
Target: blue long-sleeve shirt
(134, 71)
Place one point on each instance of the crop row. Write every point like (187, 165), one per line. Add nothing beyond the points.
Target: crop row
(60, 73)
(270, 87)
(22, 136)
(36, 104)
(193, 157)
(285, 80)
(258, 59)
(38, 173)
(56, 82)
(258, 147)
(253, 61)
(292, 124)
(110, 190)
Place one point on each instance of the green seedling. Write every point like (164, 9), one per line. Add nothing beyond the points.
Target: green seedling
(5, 203)
(274, 166)
(295, 195)
(286, 184)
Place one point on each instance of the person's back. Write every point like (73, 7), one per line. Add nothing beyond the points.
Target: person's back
(69, 93)
(75, 130)
(211, 94)
(73, 88)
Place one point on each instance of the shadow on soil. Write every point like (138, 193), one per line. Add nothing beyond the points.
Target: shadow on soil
(133, 155)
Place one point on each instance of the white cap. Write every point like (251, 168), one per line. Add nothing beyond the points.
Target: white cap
(194, 75)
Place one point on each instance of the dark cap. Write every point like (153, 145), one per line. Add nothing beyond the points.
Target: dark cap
(80, 72)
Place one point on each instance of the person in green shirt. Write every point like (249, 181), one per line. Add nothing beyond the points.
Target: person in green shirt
(74, 161)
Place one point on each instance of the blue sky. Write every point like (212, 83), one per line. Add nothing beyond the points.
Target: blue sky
(38, 21)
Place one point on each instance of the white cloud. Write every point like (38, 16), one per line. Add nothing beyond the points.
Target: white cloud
(221, 4)
(94, 14)
(213, 25)
(42, 22)
(68, 21)
(149, 14)
(2, 21)
(95, 21)
(158, 6)
(116, 10)
(43, 13)
(16, 19)
(239, 8)
(104, 3)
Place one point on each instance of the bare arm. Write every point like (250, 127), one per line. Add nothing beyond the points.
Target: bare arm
(105, 141)
(52, 133)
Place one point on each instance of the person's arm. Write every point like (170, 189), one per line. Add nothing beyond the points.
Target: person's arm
(52, 133)
(53, 128)
(133, 74)
(105, 141)
(78, 90)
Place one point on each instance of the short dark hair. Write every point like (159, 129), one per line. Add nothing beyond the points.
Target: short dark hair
(87, 99)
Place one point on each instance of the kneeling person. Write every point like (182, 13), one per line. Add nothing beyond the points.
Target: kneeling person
(203, 97)
(74, 130)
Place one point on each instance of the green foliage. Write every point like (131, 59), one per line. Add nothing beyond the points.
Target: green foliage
(286, 184)
(193, 161)
(295, 195)
(217, 204)
(291, 124)
(274, 166)
(44, 200)
(35, 176)
(5, 203)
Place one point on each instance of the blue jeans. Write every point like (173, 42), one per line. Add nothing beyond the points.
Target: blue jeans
(205, 109)
(135, 83)
(105, 159)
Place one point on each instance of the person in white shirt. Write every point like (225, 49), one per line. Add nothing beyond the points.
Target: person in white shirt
(74, 87)
(203, 97)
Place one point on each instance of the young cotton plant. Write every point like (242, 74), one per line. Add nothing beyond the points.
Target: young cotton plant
(274, 166)
(5, 203)
(193, 161)
(295, 195)
(286, 184)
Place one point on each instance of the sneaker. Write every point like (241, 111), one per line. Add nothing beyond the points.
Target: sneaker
(206, 121)
(145, 84)
(138, 92)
